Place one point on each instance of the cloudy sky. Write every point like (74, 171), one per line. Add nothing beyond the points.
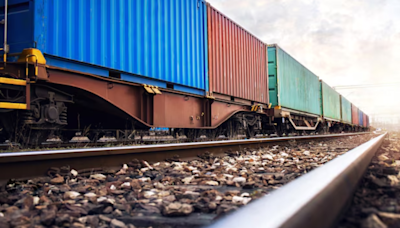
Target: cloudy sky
(344, 42)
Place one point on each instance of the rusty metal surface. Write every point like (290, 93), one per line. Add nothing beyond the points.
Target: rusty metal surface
(17, 70)
(110, 92)
(237, 59)
(173, 110)
(170, 109)
(354, 115)
(314, 200)
(29, 164)
(221, 111)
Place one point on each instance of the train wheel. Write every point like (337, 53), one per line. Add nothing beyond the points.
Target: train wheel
(33, 137)
(231, 130)
(250, 132)
(279, 130)
(191, 134)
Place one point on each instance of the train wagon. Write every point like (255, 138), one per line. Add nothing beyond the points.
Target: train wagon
(330, 103)
(294, 91)
(148, 42)
(238, 72)
(333, 111)
(123, 67)
(127, 66)
(237, 61)
(354, 115)
(360, 118)
(365, 122)
(345, 110)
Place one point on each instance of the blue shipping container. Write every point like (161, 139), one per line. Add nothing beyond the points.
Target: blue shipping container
(146, 41)
(361, 118)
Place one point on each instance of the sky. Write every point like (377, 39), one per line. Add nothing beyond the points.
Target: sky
(344, 42)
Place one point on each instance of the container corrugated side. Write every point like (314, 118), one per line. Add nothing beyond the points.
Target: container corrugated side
(293, 85)
(365, 123)
(20, 25)
(354, 115)
(330, 102)
(165, 40)
(346, 110)
(360, 118)
(237, 59)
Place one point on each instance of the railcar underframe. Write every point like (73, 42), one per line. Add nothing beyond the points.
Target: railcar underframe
(67, 101)
(38, 102)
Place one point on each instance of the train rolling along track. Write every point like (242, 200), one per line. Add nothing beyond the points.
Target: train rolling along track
(303, 181)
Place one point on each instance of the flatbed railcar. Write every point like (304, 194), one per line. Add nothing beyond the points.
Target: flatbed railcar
(301, 101)
(123, 67)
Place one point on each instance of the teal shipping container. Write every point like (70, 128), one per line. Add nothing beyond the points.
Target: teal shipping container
(291, 85)
(330, 102)
(346, 110)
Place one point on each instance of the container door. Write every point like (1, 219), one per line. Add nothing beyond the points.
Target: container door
(272, 76)
(19, 25)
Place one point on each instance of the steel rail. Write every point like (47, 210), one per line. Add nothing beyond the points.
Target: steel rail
(316, 199)
(36, 163)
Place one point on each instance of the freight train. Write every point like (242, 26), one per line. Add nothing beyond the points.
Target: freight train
(123, 67)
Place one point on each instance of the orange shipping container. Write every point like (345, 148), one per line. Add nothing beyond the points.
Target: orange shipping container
(238, 64)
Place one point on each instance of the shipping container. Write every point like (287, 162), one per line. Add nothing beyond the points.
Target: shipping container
(237, 60)
(360, 118)
(291, 85)
(346, 110)
(365, 123)
(330, 102)
(354, 115)
(155, 42)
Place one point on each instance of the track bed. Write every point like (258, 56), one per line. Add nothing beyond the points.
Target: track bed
(376, 201)
(174, 193)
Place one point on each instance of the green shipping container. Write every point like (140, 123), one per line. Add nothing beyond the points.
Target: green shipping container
(346, 110)
(330, 102)
(291, 85)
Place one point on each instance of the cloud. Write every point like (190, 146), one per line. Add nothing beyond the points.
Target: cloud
(343, 42)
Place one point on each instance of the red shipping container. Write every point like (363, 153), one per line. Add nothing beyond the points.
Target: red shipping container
(238, 61)
(354, 115)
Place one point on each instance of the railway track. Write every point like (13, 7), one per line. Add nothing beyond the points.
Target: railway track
(195, 197)
(84, 142)
(34, 163)
(317, 199)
